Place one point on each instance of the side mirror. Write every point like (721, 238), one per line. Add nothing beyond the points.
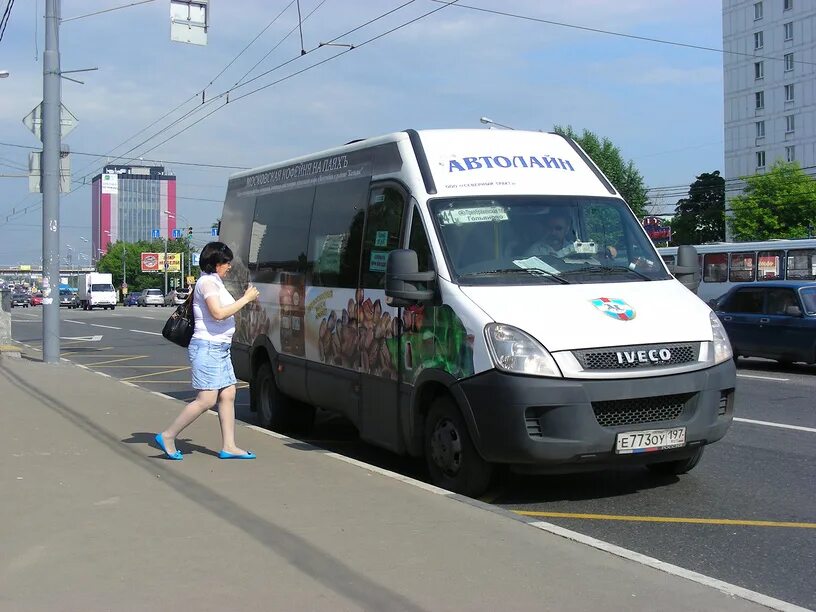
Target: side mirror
(793, 311)
(687, 267)
(401, 272)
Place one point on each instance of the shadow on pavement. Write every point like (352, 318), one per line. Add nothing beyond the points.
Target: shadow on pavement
(185, 445)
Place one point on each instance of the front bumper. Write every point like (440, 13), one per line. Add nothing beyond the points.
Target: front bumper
(554, 425)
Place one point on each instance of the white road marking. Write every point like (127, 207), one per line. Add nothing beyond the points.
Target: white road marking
(139, 331)
(105, 326)
(762, 377)
(72, 321)
(96, 338)
(781, 425)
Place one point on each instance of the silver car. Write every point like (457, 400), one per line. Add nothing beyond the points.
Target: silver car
(151, 297)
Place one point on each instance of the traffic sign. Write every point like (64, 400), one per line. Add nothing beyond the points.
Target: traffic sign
(214, 231)
(176, 233)
(155, 233)
(33, 121)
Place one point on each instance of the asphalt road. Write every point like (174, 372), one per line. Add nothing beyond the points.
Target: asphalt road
(746, 514)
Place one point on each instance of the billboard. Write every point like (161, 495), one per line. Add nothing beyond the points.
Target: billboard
(656, 231)
(154, 262)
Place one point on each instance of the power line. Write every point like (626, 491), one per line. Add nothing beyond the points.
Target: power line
(194, 96)
(307, 68)
(621, 34)
(5, 19)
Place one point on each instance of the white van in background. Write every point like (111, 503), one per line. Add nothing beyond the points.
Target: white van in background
(476, 297)
(95, 290)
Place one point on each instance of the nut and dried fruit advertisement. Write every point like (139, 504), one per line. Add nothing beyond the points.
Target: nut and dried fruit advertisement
(357, 330)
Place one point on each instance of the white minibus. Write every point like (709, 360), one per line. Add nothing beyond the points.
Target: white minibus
(478, 298)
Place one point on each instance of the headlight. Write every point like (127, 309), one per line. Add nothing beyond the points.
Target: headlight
(514, 351)
(722, 346)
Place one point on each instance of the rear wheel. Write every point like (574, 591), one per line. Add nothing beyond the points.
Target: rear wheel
(452, 459)
(675, 468)
(275, 410)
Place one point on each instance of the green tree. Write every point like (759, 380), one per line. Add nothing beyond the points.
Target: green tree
(778, 204)
(700, 217)
(132, 251)
(623, 175)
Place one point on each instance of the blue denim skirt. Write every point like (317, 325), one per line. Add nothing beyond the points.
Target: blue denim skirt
(210, 364)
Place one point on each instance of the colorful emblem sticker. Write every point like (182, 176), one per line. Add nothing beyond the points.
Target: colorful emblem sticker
(615, 308)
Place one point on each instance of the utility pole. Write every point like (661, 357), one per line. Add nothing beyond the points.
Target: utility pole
(52, 100)
(124, 269)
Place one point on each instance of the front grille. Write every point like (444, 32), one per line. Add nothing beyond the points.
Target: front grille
(627, 357)
(640, 410)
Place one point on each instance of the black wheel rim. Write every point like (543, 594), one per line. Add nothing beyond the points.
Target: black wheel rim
(446, 447)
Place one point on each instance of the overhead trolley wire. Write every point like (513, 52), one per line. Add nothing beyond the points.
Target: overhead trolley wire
(620, 34)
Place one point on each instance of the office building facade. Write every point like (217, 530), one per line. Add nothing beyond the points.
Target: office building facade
(769, 87)
(129, 203)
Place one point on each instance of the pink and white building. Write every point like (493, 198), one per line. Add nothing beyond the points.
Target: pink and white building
(129, 203)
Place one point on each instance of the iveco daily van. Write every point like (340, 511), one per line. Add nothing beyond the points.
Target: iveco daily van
(474, 297)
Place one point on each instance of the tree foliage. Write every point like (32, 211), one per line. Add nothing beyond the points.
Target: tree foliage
(700, 217)
(778, 204)
(136, 279)
(623, 175)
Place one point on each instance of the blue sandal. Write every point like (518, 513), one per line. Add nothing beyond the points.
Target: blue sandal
(175, 456)
(226, 455)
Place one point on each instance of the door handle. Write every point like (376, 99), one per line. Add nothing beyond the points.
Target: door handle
(764, 320)
(727, 318)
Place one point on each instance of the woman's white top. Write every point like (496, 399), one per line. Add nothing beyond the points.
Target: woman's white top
(206, 327)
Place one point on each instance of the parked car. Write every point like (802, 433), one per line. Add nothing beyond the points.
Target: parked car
(132, 298)
(151, 297)
(68, 298)
(20, 299)
(176, 297)
(771, 319)
(36, 299)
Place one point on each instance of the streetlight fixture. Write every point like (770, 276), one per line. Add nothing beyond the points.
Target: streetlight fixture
(4, 74)
(84, 239)
(487, 120)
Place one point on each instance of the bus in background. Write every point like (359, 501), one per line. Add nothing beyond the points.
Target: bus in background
(724, 264)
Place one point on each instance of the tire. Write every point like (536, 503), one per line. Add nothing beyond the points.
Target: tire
(452, 460)
(275, 410)
(680, 466)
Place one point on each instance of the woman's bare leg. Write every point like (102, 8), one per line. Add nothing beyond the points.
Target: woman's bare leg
(203, 402)
(226, 416)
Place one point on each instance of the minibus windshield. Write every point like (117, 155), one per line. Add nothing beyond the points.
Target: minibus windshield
(521, 240)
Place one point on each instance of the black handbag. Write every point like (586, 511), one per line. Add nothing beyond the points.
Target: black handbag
(181, 324)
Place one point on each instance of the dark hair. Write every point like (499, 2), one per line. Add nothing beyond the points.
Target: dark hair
(212, 254)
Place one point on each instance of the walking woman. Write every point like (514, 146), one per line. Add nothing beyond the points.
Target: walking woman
(214, 309)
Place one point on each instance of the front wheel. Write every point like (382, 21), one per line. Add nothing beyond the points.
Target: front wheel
(452, 459)
(277, 411)
(680, 466)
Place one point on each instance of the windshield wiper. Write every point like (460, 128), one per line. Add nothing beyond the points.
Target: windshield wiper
(531, 271)
(608, 270)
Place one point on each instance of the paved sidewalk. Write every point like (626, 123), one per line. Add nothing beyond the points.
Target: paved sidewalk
(92, 518)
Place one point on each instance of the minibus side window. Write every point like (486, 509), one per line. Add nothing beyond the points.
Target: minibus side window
(769, 265)
(280, 233)
(336, 233)
(715, 267)
(382, 234)
(801, 264)
(742, 267)
(418, 242)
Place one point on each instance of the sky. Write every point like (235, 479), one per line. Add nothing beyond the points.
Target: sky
(661, 104)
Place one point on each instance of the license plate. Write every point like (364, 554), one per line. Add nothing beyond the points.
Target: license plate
(650, 440)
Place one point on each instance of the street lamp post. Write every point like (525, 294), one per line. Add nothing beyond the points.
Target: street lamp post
(84, 239)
